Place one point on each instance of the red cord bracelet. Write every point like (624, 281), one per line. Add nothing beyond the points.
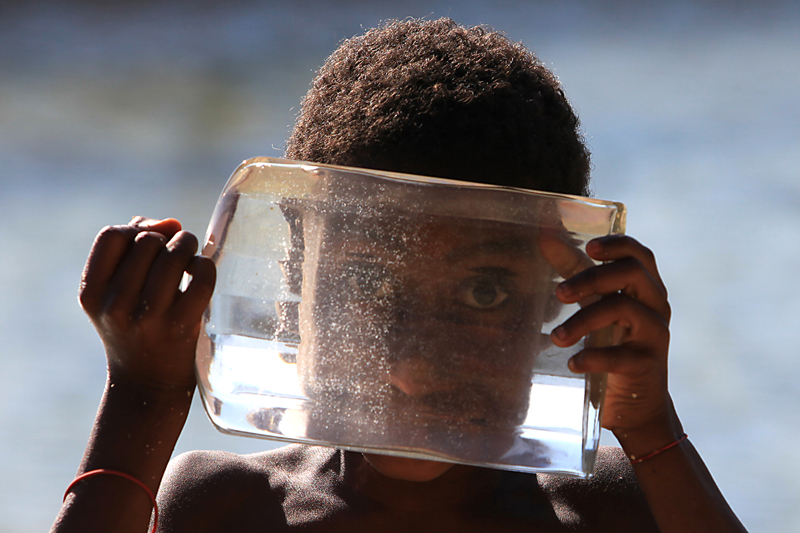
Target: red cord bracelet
(129, 477)
(635, 461)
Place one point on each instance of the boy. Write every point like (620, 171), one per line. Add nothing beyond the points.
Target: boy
(428, 98)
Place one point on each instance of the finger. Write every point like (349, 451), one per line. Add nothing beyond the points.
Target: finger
(164, 277)
(125, 288)
(640, 322)
(566, 258)
(110, 246)
(167, 227)
(192, 302)
(629, 360)
(626, 275)
(614, 247)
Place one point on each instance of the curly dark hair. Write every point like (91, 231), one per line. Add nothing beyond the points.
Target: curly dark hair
(438, 99)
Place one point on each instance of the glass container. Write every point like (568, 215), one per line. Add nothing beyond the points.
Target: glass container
(403, 315)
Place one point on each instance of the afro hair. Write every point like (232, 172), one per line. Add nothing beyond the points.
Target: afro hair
(438, 99)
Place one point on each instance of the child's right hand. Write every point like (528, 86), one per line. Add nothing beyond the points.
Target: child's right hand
(130, 290)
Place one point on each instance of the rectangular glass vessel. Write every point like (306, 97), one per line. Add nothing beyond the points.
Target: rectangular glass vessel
(397, 314)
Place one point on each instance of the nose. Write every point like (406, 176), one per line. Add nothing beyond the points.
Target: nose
(418, 377)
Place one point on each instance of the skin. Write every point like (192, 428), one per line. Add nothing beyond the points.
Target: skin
(149, 328)
(129, 290)
(407, 469)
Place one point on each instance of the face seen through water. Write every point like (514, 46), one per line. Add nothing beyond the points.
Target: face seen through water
(420, 332)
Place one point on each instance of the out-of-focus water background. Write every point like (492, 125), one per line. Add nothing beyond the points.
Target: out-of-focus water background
(691, 110)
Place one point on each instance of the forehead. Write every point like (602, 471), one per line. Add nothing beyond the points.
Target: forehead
(438, 237)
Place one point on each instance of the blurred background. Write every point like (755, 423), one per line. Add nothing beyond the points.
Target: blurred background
(110, 110)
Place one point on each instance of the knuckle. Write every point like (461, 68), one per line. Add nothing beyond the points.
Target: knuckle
(667, 311)
(114, 318)
(148, 321)
(647, 254)
(182, 237)
(88, 300)
(107, 232)
(85, 294)
(204, 269)
(664, 334)
(150, 238)
(618, 241)
(115, 232)
(630, 241)
(187, 239)
(183, 245)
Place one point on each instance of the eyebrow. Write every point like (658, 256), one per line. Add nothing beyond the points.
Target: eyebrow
(507, 246)
(499, 272)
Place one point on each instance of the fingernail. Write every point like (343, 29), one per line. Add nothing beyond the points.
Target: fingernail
(595, 245)
(560, 333)
(565, 289)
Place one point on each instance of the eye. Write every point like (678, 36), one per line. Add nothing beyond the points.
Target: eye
(483, 292)
(370, 281)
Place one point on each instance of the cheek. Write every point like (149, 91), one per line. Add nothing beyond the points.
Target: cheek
(407, 469)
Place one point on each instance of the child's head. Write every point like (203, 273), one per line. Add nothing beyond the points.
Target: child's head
(438, 99)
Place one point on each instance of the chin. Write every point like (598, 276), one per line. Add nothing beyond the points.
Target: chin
(407, 469)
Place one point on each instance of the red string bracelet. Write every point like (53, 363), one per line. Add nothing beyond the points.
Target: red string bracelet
(129, 477)
(658, 451)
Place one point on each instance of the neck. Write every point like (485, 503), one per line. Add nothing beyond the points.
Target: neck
(459, 486)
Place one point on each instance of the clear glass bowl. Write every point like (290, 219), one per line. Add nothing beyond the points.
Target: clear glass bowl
(401, 315)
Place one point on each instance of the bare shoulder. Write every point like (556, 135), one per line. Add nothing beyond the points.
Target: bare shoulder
(611, 499)
(222, 491)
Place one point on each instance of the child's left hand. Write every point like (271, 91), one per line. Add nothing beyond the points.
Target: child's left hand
(632, 296)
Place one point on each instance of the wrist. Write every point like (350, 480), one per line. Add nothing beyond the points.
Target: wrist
(119, 381)
(150, 406)
(656, 434)
(136, 429)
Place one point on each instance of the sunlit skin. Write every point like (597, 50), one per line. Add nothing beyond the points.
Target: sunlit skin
(406, 469)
